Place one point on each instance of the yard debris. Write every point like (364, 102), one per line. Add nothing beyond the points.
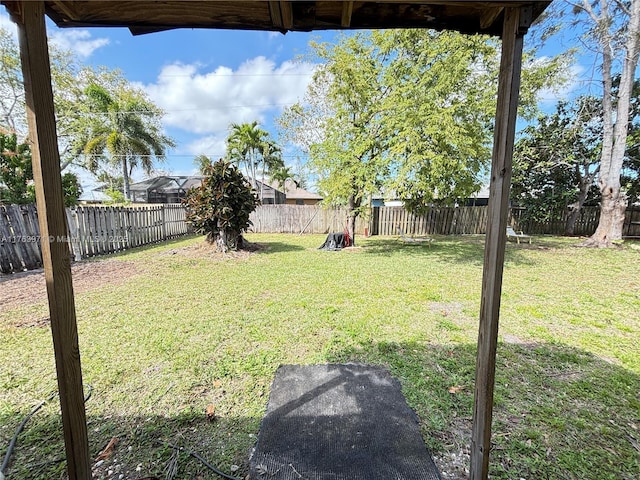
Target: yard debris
(171, 469)
(455, 389)
(108, 450)
(211, 412)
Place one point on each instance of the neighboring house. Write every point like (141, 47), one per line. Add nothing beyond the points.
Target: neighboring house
(295, 195)
(478, 199)
(163, 189)
(94, 196)
(173, 189)
(386, 199)
(269, 194)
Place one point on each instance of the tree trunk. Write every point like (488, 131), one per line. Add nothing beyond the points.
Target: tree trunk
(351, 219)
(125, 178)
(614, 201)
(225, 240)
(612, 212)
(585, 184)
(574, 212)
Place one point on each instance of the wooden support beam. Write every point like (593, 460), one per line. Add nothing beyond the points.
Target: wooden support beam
(53, 230)
(501, 163)
(347, 11)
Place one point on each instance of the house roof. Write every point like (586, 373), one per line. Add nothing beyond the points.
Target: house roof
(145, 16)
(167, 183)
(292, 191)
(94, 196)
(170, 183)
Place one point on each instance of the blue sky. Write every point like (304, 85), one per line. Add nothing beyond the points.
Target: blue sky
(206, 79)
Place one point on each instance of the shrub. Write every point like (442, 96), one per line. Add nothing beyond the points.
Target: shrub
(221, 206)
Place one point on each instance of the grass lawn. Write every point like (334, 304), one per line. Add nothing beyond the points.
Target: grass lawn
(187, 330)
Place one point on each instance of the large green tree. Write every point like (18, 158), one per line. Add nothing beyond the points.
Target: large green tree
(125, 130)
(557, 160)
(13, 117)
(68, 78)
(406, 111)
(440, 114)
(339, 124)
(630, 175)
(16, 175)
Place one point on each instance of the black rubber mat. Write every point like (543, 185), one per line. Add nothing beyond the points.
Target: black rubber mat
(339, 422)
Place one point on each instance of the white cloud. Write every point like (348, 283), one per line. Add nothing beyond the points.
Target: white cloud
(207, 102)
(77, 41)
(551, 96)
(212, 145)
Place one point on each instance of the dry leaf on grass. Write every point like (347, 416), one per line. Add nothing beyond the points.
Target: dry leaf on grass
(211, 412)
(108, 450)
(455, 389)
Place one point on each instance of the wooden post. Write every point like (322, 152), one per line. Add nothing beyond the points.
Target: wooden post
(506, 112)
(53, 231)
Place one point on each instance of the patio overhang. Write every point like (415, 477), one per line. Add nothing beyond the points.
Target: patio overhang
(147, 16)
(507, 19)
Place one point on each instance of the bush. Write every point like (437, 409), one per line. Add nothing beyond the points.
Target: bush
(221, 206)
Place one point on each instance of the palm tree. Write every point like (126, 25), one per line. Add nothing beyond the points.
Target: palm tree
(281, 175)
(250, 146)
(126, 133)
(244, 146)
(202, 162)
(271, 160)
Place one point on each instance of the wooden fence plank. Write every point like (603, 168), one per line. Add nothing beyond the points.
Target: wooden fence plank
(8, 263)
(23, 240)
(74, 243)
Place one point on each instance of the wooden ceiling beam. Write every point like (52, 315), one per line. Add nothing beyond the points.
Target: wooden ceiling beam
(489, 16)
(347, 11)
(281, 15)
(287, 14)
(15, 11)
(66, 9)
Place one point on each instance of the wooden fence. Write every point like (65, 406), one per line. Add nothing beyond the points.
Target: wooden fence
(381, 220)
(435, 221)
(301, 219)
(93, 230)
(98, 230)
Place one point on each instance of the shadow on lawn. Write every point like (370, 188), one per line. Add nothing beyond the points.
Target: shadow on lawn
(559, 412)
(468, 249)
(268, 247)
(142, 450)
